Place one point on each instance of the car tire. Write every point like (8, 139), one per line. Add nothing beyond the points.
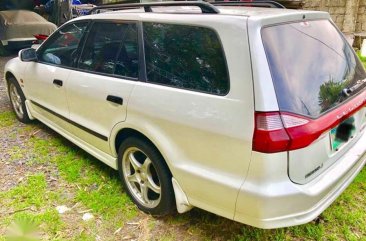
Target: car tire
(17, 100)
(146, 177)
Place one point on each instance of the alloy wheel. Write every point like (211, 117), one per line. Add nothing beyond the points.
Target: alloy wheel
(141, 177)
(16, 101)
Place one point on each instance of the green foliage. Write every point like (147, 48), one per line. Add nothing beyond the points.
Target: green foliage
(91, 183)
(102, 195)
(329, 93)
(15, 153)
(48, 220)
(363, 59)
(7, 118)
(29, 194)
(27, 213)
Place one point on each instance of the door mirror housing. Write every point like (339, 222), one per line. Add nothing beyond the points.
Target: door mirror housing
(28, 55)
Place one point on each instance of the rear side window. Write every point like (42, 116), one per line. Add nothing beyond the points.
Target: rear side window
(185, 57)
(313, 68)
(111, 48)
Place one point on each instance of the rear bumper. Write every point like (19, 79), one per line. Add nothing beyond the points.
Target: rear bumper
(18, 43)
(270, 200)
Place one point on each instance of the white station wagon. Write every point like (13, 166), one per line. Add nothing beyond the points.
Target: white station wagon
(255, 114)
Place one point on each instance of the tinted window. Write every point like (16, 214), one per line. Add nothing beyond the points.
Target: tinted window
(111, 48)
(311, 66)
(185, 57)
(61, 48)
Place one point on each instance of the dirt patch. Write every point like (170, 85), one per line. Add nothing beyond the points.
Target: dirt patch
(17, 163)
(4, 100)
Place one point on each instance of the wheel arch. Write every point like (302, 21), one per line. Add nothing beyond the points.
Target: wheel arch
(124, 133)
(181, 198)
(15, 68)
(8, 76)
(127, 132)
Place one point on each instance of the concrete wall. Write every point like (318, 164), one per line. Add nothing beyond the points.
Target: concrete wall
(349, 15)
(361, 19)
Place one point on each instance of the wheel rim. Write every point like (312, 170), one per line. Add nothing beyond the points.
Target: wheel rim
(16, 100)
(141, 177)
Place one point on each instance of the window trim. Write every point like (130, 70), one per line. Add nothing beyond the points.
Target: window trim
(182, 88)
(142, 66)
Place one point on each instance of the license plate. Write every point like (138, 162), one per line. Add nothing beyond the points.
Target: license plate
(341, 134)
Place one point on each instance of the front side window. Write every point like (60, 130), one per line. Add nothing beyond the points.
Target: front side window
(186, 57)
(61, 48)
(111, 48)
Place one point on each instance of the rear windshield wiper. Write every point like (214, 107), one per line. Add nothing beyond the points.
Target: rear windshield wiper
(348, 91)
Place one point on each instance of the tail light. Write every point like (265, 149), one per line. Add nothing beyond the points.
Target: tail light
(41, 36)
(282, 131)
(272, 131)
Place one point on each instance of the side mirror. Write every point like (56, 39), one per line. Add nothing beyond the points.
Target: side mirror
(28, 55)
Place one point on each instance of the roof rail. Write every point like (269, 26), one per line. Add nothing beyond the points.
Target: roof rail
(251, 3)
(204, 6)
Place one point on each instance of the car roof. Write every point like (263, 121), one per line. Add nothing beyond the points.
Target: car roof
(256, 13)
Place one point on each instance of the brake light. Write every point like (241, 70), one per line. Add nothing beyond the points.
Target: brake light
(269, 135)
(282, 131)
(41, 36)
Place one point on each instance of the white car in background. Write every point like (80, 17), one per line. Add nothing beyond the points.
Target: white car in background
(255, 114)
(18, 28)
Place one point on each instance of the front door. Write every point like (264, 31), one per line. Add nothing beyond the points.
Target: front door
(46, 79)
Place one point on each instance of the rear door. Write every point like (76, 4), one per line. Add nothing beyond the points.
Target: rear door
(99, 89)
(318, 78)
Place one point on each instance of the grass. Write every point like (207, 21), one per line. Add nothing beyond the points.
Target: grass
(91, 184)
(96, 187)
(7, 118)
(58, 173)
(363, 59)
(31, 202)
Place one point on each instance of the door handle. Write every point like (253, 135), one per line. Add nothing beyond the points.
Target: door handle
(57, 82)
(115, 99)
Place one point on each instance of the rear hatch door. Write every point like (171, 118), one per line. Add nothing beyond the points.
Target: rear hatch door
(318, 77)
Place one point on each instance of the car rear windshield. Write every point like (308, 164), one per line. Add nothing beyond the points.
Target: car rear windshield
(313, 68)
